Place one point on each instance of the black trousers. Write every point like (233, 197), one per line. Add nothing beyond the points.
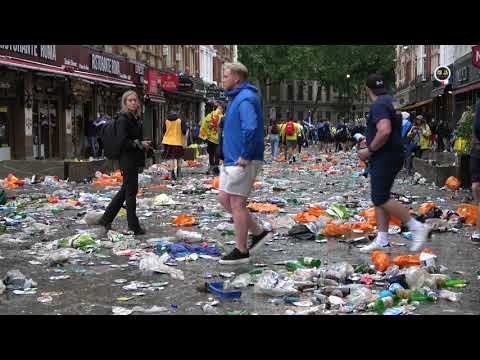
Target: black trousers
(128, 192)
(213, 159)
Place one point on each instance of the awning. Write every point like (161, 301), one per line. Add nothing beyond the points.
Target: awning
(416, 105)
(467, 89)
(32, 65)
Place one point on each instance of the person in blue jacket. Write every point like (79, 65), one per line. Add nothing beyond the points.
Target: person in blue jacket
(243, 148)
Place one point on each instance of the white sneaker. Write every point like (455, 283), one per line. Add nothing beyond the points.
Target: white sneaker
(374, 246)
(420, 237)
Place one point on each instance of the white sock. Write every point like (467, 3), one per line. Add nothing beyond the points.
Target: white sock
(414, 224)
(382, 238)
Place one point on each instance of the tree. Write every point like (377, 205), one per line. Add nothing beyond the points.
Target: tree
(327, 64)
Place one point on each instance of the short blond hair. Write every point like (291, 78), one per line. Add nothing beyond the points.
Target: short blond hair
(237, 68)
(125, 96)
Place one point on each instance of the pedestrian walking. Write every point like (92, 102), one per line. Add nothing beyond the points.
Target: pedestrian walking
(475, 170)
(274, 137)
(289, 132)
(243, 150)
(174, 129)
(209, 132)
(384, 152)
(419, 136)
(131, 161)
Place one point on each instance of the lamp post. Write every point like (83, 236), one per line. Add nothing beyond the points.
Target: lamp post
(348, 96)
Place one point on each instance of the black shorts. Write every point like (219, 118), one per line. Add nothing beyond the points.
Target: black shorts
(475, 169)
(383, 170)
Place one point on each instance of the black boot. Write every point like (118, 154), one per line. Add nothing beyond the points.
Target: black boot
(172, 175)
(137, 230)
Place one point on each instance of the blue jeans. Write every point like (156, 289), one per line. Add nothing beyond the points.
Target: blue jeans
(274, 144)
(92, 142)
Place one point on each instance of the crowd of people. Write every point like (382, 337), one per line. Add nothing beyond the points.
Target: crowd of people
(235, 134)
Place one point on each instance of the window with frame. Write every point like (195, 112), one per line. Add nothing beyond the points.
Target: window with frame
(328, 115)
(300, 93)
(300, 116)
(327, 93)
(290, 92)
(310, 93)
(319, 93)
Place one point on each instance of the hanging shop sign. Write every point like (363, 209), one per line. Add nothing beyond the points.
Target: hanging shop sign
(152, 78)
(476, 56)
(169, 81)
(442, 74)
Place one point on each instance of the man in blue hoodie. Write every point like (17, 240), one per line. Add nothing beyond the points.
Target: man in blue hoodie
(243, 149)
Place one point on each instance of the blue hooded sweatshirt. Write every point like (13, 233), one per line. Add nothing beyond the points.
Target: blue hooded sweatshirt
(243, 125)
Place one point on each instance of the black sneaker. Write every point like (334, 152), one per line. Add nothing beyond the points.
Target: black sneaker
(138, 231)
(259, 240)
(235, 257)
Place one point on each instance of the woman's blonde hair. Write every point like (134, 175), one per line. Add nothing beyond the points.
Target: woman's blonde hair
(125, 96)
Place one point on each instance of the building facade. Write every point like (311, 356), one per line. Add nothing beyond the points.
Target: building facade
(302, 98)
(50, 94)
(417, 89)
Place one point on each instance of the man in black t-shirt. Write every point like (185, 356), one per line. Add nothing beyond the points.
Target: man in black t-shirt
(383, 148)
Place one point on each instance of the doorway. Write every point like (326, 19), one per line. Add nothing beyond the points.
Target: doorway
(46, 144)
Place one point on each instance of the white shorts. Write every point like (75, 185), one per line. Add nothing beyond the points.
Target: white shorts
(238, 180)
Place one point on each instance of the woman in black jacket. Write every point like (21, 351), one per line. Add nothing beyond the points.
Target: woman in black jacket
(132, 161)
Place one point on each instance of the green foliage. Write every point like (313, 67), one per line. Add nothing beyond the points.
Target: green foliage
(464, 129)
(328, 64)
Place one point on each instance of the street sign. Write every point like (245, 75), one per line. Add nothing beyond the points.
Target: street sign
(442, 74)
(476, 56)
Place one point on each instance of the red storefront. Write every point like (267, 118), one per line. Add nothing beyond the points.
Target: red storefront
(51, 95)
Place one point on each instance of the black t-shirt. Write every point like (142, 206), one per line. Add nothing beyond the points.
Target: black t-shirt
(382, 108)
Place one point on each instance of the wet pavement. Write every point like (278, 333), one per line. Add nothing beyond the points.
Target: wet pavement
(91, 287)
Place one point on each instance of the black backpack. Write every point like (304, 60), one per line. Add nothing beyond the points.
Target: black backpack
(112, 143)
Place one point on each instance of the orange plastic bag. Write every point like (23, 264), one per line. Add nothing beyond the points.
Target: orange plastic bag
(52, 199)
(305, 218)
(372, 219)
(184, 220)
(452, 183)
(425, 207)
(74, 202)
(407, 260)
(259, 207)
(469, 212)
(216, 182)
(380, 260)
(316, 211)
(332, 229)
(157, 186)
(362, 226)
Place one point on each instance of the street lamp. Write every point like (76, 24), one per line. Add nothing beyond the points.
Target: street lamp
(348, 96)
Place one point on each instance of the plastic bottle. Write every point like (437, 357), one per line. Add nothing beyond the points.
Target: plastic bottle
(380, 305)
(420, 296)
(309, 262)
(455, 283)
(449, 295)
(292, 266)
(188, 236)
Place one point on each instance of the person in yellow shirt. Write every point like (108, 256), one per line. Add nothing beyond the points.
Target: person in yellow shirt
(209, 133)
(174, 129)
(420, 134)
(289, 132)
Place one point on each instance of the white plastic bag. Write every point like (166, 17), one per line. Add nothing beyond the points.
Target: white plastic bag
(153, 263)
(270, 283)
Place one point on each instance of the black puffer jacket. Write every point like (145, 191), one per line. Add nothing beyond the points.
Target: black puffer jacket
(132, 155)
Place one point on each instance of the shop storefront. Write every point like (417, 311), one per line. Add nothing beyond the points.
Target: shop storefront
(60, 90)
(466, 83)
(187, 99)
(155, 102)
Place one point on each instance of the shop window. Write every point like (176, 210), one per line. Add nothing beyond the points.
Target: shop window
(4, 128)
(300, 93)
